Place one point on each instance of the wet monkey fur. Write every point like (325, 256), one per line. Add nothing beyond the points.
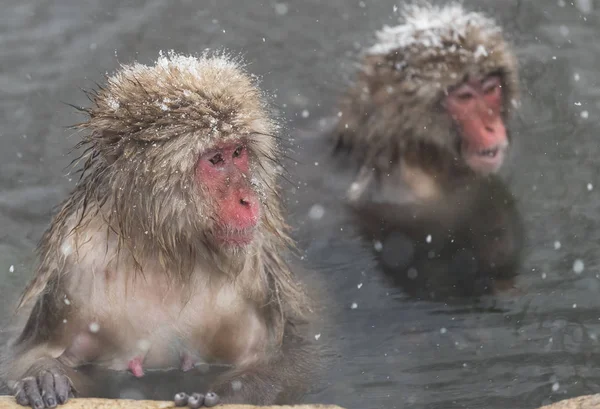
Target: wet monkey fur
(170, 250)
(429, 105)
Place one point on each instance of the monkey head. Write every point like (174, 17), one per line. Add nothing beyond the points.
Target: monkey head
(445, 79)
(183, 152)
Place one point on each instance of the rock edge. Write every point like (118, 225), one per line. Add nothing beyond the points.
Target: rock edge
(8, 402)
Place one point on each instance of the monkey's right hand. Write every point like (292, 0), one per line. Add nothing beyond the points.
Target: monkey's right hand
(48, 388)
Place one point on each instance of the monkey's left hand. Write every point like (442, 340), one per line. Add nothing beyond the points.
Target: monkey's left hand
(196, 400)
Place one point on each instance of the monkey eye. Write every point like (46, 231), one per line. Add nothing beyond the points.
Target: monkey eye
(465, 95)
(490, 89)
(218, 158)
(238, 151)
(491, 85)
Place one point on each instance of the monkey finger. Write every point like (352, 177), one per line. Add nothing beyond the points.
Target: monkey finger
(211, 399)
(62, 387)
(195, 401)
(33, 393)
(181, 399)
(46, 384)
(20, 395)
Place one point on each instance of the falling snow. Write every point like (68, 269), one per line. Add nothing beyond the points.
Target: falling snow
(316, 212)
(142, 344)
(305, 113)
(354, 306)
(281, 9)
(11, 269)
(555, 386)
(359, 286)
(590, 186)
(236, 385)
(584, 6)
(584, 114)
(94, 327)
(428, 238)
(557, 245)
(317, 336)
(377, 245)
(578, 266)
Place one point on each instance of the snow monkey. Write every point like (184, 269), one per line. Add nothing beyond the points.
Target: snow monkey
(170, 251)
(429, 105)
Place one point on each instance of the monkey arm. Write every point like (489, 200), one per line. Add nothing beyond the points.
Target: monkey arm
(31, 365)
(278, 378)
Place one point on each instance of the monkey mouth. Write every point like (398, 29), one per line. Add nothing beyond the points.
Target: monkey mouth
(237, 237)
(490, 153)
(487, 160)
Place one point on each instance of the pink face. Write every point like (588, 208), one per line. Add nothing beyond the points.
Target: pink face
(225, 172)
(476, 107)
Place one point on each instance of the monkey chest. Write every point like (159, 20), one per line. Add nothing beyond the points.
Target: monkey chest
(150, 329)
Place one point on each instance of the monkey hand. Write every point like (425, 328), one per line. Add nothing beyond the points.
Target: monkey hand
(196, 400)
(46, 388)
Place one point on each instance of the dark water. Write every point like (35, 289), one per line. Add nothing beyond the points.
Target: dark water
(513, 350)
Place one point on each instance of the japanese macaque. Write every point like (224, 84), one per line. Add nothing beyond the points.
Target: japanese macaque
(468, 246)
(170, 250)
(429, 106)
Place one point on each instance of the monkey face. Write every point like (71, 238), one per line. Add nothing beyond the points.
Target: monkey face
(476, 108)
(224, 173)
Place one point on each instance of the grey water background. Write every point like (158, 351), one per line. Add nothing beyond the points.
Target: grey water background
(531, 348)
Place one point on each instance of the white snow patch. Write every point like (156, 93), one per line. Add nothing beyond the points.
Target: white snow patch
(428, 26)
(480, 52)
(113, 103)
